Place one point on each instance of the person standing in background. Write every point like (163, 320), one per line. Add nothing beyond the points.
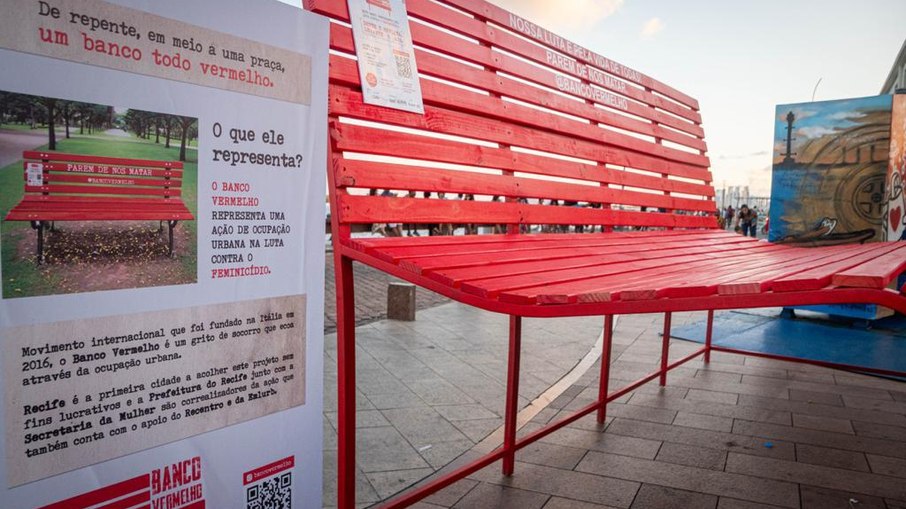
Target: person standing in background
(729, 216)
(748, 220)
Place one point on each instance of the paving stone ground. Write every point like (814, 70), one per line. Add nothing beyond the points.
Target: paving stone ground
(740, 433)
(371, 295)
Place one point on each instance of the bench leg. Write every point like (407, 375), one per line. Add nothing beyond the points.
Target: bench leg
(345, 382)
(171, 224)
(39, 227)
(665, 349)
(708, 334)
(512, 396)
(604, 381)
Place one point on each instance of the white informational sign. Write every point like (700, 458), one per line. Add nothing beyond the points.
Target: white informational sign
(129, 375)
(386, 57)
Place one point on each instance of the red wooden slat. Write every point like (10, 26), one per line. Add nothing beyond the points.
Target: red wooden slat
(371, 175)
(109, 180)
(104, 169)
(493, 108)
(545, 37)
(596, 283)
(776, 265)
(820, 277)
(764, 281)
(40, 200)
(431, 64)
(601, 71)
(99, 215)
(349, 103)
(489, 267)
(456, 255)
(114, 161)
(103, 205)
(544, 285)
(639, 285)
(433, 257)
(101, 190)
(496, 277)
(391, 143)
(376, 209)
(365, 243)
(877, 273)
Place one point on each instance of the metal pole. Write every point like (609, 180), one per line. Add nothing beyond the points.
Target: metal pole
(665, 349)
(604, 382)
(512, 396)
(345, 383)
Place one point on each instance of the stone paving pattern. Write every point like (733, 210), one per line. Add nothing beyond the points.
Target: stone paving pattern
(371, 295)
(740, 433)
(431, 389)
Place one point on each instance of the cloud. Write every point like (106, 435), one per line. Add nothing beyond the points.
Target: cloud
(564, 17)
(742, 156)
(814, 131)
(652, 27)
(847, 115)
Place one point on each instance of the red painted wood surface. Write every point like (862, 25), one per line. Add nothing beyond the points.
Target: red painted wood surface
(543, 108)
(98, 160)
(877, 274)
(85, 188)
(108, 170)
(821, 276)
(110, 180)
(389, 143)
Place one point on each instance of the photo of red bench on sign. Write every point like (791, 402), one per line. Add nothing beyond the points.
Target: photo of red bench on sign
(72, 187)
(88, 192)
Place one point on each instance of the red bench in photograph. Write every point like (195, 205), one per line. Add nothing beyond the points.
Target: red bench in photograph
(73, 187)
(526, 115)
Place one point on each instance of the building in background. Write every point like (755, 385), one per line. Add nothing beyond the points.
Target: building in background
(896, 78)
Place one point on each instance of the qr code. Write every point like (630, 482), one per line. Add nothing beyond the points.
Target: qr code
(273, 493)
(403, 65)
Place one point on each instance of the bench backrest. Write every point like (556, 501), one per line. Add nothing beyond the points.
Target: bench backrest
(55, 174)
(515, 111)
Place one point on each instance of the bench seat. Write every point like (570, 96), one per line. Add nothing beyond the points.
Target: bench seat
(79, 187)
(626, 267)
(68, 208)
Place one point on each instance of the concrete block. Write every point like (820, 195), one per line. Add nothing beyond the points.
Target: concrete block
(401, 301)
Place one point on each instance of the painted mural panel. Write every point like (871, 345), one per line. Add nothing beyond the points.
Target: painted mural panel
(830, 166)
(895, 213)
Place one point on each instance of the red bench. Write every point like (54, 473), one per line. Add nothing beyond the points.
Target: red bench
(529, 116)
(73, 187)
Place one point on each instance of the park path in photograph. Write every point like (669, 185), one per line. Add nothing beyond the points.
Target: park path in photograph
(14, 142)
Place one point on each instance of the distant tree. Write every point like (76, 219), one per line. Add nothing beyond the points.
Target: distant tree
(168, 125)
(66, 113)
(51, 113)
(185, 124)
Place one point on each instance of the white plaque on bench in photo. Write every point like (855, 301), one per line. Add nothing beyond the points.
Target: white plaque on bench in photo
(34, 173)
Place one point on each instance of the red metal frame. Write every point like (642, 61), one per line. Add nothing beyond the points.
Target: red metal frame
(346, 358)
(512, 395)
(604, 378)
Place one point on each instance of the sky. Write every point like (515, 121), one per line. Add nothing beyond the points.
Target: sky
(739, 59)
